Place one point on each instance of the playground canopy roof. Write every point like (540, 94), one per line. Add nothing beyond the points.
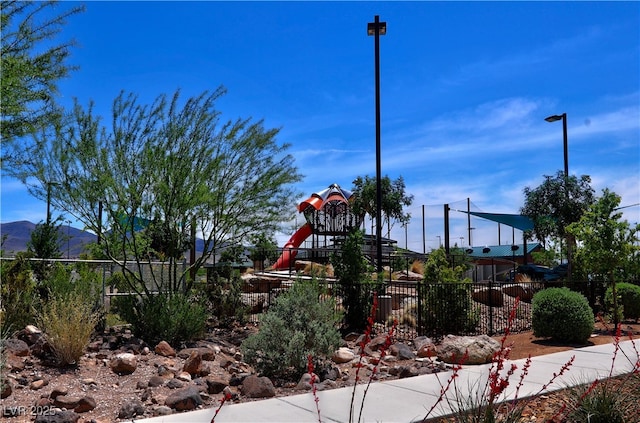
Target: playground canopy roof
(334, 193)
(518, 221)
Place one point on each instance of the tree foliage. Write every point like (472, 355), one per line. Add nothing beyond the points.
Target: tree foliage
(32, 66)
(394, 198)
(556, 203)
(163, 171)
(608, 246)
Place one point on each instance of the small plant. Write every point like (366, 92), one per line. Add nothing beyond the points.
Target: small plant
(163, 317)
(68, 322)
(366, 339)
(628, 300)
(561, 314)
(600, 401)
(298, 324)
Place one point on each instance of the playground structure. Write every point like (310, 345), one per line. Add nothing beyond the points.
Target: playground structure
(327, 213)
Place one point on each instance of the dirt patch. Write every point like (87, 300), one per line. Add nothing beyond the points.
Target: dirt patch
(93, 377)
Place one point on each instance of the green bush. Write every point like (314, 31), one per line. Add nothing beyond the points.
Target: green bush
(447, 305)
(561, 314)
(301, 323)
(19, 293)
(68, 322)
(355, 286)
(225, 298)
(628, 299)
(173, 318)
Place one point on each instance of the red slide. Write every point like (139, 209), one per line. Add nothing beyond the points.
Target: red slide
(287, 253)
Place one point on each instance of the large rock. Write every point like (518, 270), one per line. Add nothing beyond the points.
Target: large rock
(131, 409)
(425, 347)
(478, 349)
(164, 349)
(85, 404)
(491, 297)
(402, 351)
(193, 364)
(58, 416)
(184, 399)
(123, 363)
(30, 334)
(343, 355)
(207, 354)
(525, 293)
(16, 347)
(6, 389)
(258, 387)
(215, 386)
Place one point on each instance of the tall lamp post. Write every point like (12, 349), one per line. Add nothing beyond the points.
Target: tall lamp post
(377, 29)
(555, 118)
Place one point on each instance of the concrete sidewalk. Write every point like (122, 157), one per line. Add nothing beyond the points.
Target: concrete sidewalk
(409, 400)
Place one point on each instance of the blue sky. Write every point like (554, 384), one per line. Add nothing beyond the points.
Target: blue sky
(465, 88)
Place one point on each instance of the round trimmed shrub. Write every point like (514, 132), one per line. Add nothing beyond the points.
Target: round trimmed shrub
(561, 314)
(628, 299)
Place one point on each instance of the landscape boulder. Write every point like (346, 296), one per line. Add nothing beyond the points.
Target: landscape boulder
(193, 364)
(164, 349)
(258, 387)
(475, 349)
(184, 399)
(58, 416)
(123, 363)
(14, 346)
(131, 409)
(343, 355)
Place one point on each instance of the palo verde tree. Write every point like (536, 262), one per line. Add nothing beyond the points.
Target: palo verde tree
(160, 173)
(394, 199)
(607, 245)
(32, 65)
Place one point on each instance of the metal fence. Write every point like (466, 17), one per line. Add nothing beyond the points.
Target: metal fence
(420, 308)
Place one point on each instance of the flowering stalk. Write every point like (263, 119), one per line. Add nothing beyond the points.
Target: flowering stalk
(383, 352)
(314, 388)
(365, 340)
(450, 381)
(225, 398)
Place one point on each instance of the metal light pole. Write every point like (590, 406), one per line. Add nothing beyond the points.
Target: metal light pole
(555, 118)
(376, 29)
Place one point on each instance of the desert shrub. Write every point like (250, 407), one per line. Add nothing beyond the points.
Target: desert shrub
(68, 322)
(628, 299)
(417, 267)
(299, 324)
(19, 293)
(225, 298)
(447, 305)
(173, 318)
(355, 285)
(561, 314)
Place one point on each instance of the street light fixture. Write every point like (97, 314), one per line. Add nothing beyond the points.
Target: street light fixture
(555, 118)
(563, 117)
(376, 29)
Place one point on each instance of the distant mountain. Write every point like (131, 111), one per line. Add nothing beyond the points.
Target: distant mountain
(19, 233)
(73, 241)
